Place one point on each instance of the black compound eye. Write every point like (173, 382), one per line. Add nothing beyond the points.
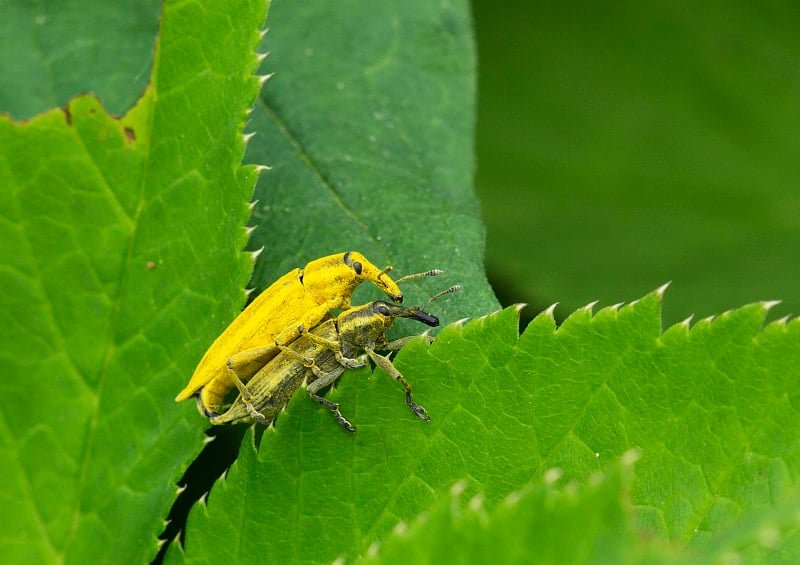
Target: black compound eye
(383, 310)
(357, 267)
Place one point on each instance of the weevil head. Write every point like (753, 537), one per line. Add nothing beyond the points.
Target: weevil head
(365, 325)
(387, 313)
(366, 271)
(338, 276)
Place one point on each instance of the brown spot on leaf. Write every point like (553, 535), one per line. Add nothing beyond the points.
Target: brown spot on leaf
(67, 115)
(130, 135)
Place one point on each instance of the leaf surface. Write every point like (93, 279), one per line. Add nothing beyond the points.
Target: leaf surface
(120, 254)
(712, 411)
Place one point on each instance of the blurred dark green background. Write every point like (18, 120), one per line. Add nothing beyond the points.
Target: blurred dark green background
(623, 145)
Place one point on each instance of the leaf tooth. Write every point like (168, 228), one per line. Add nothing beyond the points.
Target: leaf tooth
(208, 439)
(590, 306)
(256, 253)
(662, 289)
(769, 304)
(263, 32)
(249, 230)
(179, 489)
(249, 291)
(261, 56)
(458, 487)
(616, 307)
(476, 503)
(553, 475)
(550, 310)
(512, 498)
(264, 78)
(374, 548)
(519, 306)
(783, 321)
(262, 168)
(400, 528)
(252, 204)
(687, 322)
(160, 542)
(248, 136)
(630, 457)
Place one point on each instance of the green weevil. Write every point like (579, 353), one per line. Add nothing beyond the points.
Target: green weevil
(321, 355)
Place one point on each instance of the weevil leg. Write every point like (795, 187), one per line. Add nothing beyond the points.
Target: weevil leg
(347, 362)
(256, 415)
(390, 370)
(399, 343)
(323, 380)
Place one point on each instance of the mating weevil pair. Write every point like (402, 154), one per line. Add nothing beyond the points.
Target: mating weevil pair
(261, 340)
(320, 356)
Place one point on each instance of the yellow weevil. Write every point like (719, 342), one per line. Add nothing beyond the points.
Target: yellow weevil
(331, 348)
(300, 299)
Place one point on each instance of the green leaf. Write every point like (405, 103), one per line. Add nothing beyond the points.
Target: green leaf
(711, 409)
(368, 126)
(546, 522)
(120, 254)
(621, 148)
(57, 49)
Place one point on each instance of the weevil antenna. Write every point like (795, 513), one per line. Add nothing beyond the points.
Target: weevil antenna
(451, 290)
(431, 273)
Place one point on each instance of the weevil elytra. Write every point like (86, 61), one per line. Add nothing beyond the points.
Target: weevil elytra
(332, 347)
(300, 298)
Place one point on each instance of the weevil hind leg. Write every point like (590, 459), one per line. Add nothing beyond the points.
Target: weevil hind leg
(387, 367)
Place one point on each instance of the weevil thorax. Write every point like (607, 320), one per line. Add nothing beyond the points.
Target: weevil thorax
(364, 325)
(337, 277)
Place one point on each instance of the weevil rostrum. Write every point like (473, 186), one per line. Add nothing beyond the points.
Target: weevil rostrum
(320, 356)
(302, 297)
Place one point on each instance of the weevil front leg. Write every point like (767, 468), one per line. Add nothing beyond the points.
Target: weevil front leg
(389, 369)
(334, 346)
(323, 380)
(398, 344)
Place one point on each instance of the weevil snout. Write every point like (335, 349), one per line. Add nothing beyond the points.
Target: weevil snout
(425, 318)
